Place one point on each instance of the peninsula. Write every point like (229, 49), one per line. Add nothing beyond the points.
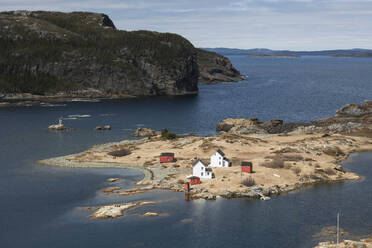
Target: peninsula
(285, 156)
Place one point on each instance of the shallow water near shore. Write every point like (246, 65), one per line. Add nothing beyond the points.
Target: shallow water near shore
(39, 205)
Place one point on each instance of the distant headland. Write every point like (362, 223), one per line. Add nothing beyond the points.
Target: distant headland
(263, 52)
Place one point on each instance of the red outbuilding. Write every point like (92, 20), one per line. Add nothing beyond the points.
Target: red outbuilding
(167, 157)
(194, 180)
(247, 167)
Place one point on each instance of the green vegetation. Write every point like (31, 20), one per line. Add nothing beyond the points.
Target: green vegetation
(34, 44)
(165, 134)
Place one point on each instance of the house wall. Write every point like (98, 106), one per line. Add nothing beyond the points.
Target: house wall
(166, 159)
(218, 161)
(199, 171)
(247, 169)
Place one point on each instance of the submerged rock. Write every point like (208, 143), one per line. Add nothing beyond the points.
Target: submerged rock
(151, 214)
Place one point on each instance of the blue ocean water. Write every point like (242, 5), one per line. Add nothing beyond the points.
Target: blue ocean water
(39, 204)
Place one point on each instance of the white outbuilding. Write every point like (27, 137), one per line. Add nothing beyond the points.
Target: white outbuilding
(200, 170)
(218, 159)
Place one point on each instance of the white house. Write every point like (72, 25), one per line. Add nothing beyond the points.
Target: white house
(218, 159)
(201, 171)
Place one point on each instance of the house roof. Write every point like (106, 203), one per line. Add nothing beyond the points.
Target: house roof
(196, 161)
(221, 152)
(245, 163)
(192, 177)
(167, 154)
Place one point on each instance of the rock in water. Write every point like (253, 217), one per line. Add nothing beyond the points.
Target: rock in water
(145, 132)
(107, 127)
(151, 214)
(58, 127)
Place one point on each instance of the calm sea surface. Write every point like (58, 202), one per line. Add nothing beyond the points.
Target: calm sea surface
(39, 204)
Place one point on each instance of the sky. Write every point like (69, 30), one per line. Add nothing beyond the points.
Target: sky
(274, 24)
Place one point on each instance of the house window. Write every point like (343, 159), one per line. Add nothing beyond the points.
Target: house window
(202, 168)
(220, 162)
(201, 173)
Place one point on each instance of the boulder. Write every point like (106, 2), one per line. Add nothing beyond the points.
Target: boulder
(226, 194)
(145, 132)
(106, 127)
(59, 126)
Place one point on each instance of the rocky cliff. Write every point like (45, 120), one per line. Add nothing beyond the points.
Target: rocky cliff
(84, 54)
(215, 68)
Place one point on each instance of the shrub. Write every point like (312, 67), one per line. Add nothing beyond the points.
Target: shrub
(275, 163)
(120, 153)
(165, 134)
(248, 181)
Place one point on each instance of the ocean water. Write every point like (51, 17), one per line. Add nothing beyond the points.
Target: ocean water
(39, 205)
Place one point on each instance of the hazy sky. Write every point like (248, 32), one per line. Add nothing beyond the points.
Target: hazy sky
(275, 24)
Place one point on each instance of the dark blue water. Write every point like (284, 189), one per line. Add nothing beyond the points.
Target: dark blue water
(38, 204)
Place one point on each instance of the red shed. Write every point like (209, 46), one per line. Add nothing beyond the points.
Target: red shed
(167, 157)
(194, 180)
(247, 167)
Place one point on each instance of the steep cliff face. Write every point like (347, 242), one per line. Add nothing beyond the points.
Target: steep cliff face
(84, 54)
(215, 68)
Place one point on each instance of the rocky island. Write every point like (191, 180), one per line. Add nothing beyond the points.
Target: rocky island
(285, 156)
(82, 55)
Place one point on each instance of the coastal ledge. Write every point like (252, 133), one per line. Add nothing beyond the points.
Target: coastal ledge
(283, 161)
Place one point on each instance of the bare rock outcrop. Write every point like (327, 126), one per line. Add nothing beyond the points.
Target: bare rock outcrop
(215, 68)
(145, 132)
(255, 126)
(351, 118)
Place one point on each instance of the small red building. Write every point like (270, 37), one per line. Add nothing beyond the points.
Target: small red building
(194, 180)
(247, 167)
(167, 157)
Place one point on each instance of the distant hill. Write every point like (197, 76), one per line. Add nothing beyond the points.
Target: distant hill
(262, 52)
(83, 54)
